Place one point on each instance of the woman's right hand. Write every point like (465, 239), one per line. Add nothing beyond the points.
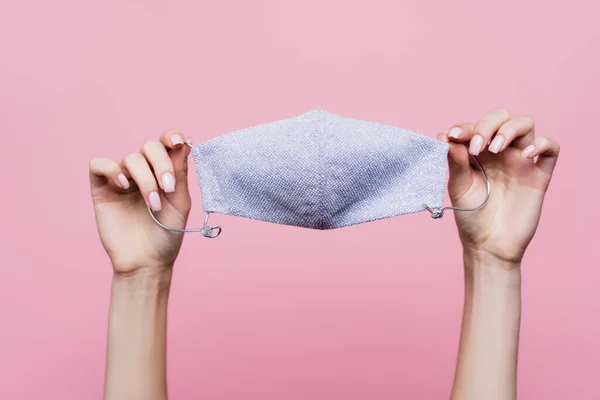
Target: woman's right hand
(156, 177)
(519, 167)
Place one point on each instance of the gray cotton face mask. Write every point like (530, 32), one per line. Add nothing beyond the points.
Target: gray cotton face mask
(320, 171)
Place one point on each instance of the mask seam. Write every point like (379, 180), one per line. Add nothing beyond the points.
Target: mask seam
(321, 221)
(199, 163)
(216, 195)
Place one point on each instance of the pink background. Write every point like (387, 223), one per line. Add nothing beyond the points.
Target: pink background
(272, 312)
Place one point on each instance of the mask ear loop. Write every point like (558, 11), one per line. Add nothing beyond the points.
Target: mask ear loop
(439, 212)
(208, 231)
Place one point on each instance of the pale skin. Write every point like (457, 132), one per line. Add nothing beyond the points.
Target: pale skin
(494, 240)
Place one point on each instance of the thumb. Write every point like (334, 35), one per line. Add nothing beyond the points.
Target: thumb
(179, 158)
(459, 167)
(181, 196)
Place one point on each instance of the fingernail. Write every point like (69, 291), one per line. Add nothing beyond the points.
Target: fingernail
(476, 145)
(496, 144)
(154, 200)
(176, 139)
(455, 132)
(527, 151)
(123, 181)
(168, 182)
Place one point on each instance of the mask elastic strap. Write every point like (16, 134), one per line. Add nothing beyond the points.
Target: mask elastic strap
(439, 212)
(208, 231)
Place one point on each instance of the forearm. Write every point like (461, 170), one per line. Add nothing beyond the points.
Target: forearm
(487, 359)
(136, 356)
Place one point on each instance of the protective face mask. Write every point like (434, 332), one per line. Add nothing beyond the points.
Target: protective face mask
(321, 171)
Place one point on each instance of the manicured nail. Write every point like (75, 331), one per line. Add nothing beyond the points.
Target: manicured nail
(123, 181)
(476, 145)
(455, 132)
(168, 182)
(527, 151)
(496, 144)
(176, 139)
(154, 200)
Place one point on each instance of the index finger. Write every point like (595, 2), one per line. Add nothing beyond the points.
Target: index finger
(486, 128)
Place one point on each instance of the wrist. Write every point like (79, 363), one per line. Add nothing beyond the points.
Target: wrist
(143, 279)
(478, 257)
(485, 268)
(499, 251)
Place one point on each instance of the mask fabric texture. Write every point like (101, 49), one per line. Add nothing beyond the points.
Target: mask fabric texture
(321, 171)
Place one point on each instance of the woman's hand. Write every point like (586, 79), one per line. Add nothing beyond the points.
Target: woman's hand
(156, 177)
(505, 226)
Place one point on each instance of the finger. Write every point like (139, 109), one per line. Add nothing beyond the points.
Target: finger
(137, 166)
(181, 198)
(486, 128)
(518, 131)
(172, 139)
(104, 170)
(159, 159)
(179, 158)
(547, 150)
(457, 158)
(461, 132)
(459, 167)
